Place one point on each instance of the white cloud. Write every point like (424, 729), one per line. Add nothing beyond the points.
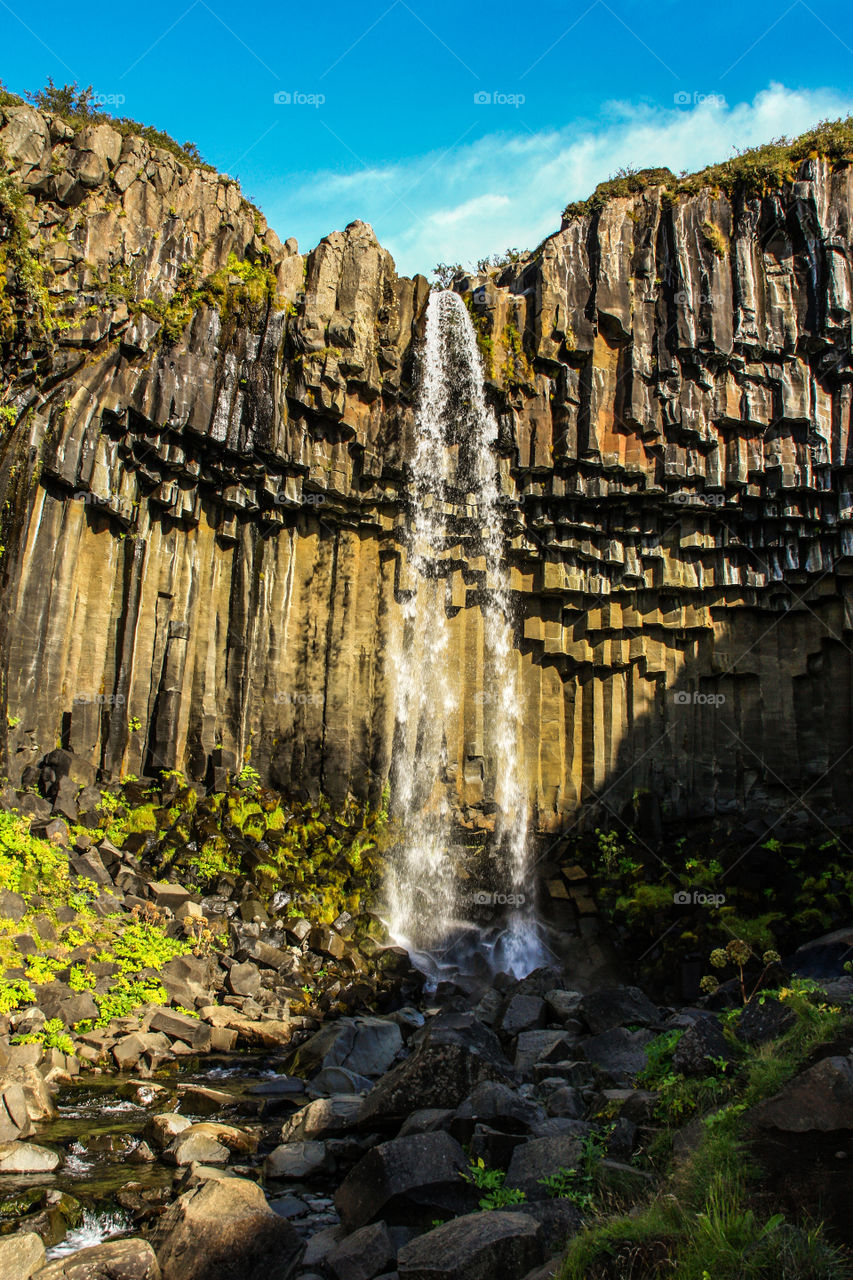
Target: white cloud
(509, 188)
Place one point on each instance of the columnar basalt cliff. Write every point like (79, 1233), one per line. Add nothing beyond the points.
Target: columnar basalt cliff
(205, 447)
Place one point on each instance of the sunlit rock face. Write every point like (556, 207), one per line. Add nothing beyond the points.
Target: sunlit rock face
(208, 484)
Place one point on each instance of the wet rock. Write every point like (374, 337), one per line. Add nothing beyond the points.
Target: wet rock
(406, 1180)
(225, 1230)
(478, 1246)
(26, 1157)
(163, 1128)
(367, 1253)
(617, 1007)
(113, 1260)
(197, 1099)
(21, 1255)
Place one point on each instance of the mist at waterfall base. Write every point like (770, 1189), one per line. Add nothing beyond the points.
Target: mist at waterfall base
(454, 497)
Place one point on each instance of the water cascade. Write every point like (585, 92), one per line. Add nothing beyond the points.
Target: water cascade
(455, 495)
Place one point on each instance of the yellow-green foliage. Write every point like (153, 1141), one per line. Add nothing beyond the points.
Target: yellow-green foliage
(27, 862)
(516, 368)
(753, 170)
(716, 238)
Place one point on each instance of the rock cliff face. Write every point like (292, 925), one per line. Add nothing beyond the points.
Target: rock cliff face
(205, 447)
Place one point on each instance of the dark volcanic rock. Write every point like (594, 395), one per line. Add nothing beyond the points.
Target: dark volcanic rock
(417, 1178)
(478, 1246)
(455, 1054)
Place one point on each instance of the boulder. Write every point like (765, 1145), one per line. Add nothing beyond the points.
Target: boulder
(338, 1080)
(57, 1000)
(189, 980)
(244, 979)
(522, 1013)
(296, 1160)
(540, 1158)
(26, 1157)
(764, 1019)
(619, 1052)
(113, 1260)
(824, 957)
(21, 1255)
(225, 1230)
(179, 1026)
(407, 1180)
(617, 1007)
(12, 906)
(821, 1098)
(454, 1054)
(364, 1045)
(699, 1045)
(478, 1246)
(191, 1147)
(323, 1117)
(533, 1047)
(365, 1254)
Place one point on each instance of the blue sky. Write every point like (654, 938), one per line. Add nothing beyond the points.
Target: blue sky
(456, 130)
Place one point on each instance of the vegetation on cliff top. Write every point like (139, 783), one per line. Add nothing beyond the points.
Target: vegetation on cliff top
(752, 170)
(79, 109)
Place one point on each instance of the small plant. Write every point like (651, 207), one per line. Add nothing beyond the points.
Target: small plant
(492, 1182)
(134, 724)
(738, 953)
(52, 1036)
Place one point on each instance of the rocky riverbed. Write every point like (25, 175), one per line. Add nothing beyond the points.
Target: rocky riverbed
(203, 1085)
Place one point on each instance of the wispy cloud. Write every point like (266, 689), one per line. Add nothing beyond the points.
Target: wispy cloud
(509, 188)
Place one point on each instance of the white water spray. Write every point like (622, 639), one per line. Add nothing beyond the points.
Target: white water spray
(454, 471)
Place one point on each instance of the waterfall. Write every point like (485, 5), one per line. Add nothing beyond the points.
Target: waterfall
(454, 497)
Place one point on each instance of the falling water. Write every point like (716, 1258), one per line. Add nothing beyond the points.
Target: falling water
(454, 470)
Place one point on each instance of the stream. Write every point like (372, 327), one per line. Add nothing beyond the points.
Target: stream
(99, 1134)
